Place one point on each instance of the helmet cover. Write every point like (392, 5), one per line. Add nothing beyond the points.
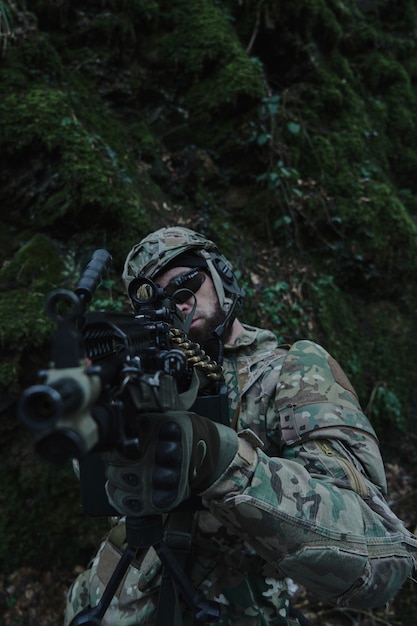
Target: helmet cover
(162, 248)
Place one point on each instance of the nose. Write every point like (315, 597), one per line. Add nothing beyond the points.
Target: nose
(185, 307)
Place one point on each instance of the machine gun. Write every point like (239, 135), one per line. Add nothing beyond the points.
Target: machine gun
(104, 365)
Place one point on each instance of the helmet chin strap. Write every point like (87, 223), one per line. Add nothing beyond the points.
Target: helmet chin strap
(230, 306)
(189, 319)
(225, 302)
(230, 316)
(217, 335)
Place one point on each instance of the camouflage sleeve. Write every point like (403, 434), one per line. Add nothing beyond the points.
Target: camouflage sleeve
(314, 399)
(323, 536)
(294, 508)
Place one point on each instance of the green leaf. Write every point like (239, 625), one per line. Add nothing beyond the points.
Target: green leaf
(294, 128)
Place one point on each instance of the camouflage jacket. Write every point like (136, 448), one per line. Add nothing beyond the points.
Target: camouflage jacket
(303, 499)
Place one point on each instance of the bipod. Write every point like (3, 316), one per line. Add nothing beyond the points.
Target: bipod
(143, 532)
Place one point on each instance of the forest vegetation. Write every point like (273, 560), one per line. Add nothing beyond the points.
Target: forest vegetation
(286, 132)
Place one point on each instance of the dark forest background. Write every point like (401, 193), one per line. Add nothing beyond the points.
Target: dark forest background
(286, 132)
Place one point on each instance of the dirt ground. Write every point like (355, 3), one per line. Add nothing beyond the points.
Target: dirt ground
(36, 598)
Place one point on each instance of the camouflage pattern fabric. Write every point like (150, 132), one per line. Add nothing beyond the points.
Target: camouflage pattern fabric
(303, 498)
(159, 248)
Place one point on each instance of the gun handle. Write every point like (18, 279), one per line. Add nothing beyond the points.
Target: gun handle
(93, 273)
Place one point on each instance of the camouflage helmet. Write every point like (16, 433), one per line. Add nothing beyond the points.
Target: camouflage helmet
(158, 250)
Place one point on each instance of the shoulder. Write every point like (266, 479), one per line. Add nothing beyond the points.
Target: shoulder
(255, 355)
(255, 348)
(311, 362)
(252, 339)
(308, 349)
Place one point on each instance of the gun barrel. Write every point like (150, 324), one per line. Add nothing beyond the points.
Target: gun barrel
(41, 406)
(61, 445)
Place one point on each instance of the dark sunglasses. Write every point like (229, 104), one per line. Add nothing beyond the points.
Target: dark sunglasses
(184, 285)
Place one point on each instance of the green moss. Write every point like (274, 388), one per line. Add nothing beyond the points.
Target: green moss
(383, 70)
(89, 171)
(363, 337)
(205, 45)
(29, 487)
(26, 278)
(32, 56)
(23, 319)
(76, 170)
(9, 371)
(37, 262)
(389, 235)
(336, 323)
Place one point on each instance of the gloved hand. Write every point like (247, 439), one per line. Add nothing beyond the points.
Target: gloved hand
(181, 454)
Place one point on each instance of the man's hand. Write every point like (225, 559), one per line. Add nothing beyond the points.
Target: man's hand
(181, 454)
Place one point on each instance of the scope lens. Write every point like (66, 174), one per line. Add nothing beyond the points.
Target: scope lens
(142, 291)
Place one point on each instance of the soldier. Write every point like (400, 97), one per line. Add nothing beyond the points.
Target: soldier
(293, 486)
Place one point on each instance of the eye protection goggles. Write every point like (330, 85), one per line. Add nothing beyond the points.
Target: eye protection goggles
(185, 285)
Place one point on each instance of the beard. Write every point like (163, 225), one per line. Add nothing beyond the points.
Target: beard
(203, 334)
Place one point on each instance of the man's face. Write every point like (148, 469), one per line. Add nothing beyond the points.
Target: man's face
(207, 315)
